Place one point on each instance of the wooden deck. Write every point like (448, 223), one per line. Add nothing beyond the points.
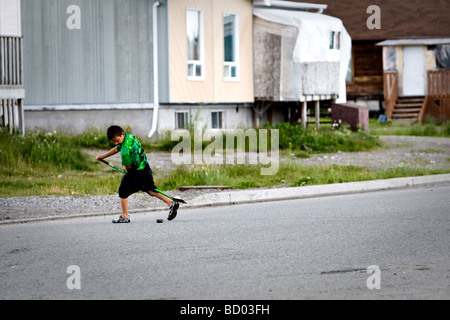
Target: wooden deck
(435, 104)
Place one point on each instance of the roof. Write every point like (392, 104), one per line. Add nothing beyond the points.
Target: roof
(289, 5)
(399, 19)
(411, 42)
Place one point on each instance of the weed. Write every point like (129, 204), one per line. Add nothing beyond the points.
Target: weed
(426, 128)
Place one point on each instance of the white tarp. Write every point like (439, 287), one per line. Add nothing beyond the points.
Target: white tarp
(314, 39)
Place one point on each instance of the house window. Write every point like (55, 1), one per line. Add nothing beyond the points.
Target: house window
(231, 46)
(194, 29)
(181, 120)
(217, 120)
(335, 40)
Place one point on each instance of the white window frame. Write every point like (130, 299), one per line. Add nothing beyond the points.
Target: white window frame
(185, 115)
(335, 40)
(228, 65)
(220, 119)
(194, 64)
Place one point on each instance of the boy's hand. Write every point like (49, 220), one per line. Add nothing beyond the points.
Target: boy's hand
(110, 153)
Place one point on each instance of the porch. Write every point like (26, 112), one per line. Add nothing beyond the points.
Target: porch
(435, 104)
(12, 91)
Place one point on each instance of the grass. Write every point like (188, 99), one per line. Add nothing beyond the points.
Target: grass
(424, 129)
(325, 140)
(51, 163)
(295, 137)
(59, 183)
(289, 175)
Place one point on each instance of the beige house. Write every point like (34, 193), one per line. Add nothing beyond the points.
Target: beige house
(210, 64)
(199, 68)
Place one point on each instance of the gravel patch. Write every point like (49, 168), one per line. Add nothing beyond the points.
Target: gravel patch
(401, 151)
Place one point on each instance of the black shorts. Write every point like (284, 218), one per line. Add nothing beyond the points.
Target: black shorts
(135, 181)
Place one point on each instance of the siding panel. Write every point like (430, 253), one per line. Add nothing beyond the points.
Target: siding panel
(108, 61)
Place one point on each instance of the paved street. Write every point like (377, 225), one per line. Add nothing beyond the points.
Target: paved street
(318, 248)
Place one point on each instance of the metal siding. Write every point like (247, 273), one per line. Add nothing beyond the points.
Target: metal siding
(108, 61)
(10, 18)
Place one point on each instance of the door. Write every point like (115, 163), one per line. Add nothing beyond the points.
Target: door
(413, 71)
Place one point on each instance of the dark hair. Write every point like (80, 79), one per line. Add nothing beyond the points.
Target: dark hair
(114, 131)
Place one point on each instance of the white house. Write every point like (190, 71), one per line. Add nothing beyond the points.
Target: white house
(300, 57)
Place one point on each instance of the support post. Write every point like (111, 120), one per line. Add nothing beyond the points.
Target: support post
(304, 114)
(317, 115)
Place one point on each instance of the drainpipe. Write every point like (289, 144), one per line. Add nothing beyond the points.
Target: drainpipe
(155, 71)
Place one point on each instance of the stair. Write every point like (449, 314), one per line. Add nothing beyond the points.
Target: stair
(408, 108)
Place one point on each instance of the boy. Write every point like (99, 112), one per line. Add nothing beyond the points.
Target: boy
(139, 176)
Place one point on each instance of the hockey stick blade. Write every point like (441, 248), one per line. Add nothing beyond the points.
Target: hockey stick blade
(170, 197)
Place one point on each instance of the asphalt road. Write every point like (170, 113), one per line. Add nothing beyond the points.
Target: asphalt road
(318, 248)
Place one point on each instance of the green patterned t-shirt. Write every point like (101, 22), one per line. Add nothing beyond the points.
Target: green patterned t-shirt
(132, 153)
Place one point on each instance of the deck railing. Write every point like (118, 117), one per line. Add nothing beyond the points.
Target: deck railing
(390, 91)
(12, 90)
(438, 83)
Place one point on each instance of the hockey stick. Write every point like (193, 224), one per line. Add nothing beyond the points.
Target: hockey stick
(112, 166)
(159, 191)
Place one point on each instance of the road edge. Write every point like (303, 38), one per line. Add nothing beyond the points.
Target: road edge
(258, 195)
(235, 197)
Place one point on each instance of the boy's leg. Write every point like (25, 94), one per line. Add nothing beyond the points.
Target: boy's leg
(161, 197)
(124, 217)
(124, 205)
(173, 205)
(125, 190)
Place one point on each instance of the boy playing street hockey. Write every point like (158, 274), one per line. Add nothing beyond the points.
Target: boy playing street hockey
(139, 176)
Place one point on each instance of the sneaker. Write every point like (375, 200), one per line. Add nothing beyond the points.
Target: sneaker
(122, 220)
(173, 210)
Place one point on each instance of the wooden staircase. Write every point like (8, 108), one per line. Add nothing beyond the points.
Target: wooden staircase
(408, 108)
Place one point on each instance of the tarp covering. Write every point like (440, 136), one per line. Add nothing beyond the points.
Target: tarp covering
(320, 39)
(443, 56)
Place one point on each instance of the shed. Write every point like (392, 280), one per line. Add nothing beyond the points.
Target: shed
(417, 78)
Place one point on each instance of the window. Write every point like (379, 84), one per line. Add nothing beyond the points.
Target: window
(335, 40)
(217, 120)
(390, 58)
(231, 46)
(181, 120)
(194, 29)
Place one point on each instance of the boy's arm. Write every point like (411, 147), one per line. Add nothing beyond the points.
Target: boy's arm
(110, 153)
